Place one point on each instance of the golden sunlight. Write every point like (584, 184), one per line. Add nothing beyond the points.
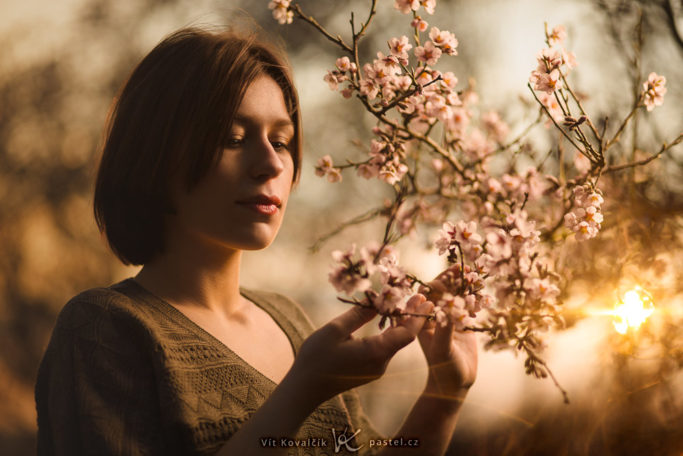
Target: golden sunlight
(632, 311)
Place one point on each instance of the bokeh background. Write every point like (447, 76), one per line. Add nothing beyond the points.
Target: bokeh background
(62, 62)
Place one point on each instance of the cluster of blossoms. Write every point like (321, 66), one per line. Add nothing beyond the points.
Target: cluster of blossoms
(654, 91)
(553, 63)
(501, 259)
(325, 167)
(386, 159)
(439, 159)
(420, 94)
(356, 273)
(281, 11)
(408, 6)
(458, 292)
(585, 218)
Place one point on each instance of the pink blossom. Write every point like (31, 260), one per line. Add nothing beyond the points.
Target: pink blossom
(424, 77)
(388, 299)
(419, 24)
(403, 83)
(436, 107)
(388, 64)
(654, 91)
(406, 6)
(332, 79)
(466, 232)
(498, 244)
(569, 59)
(493, 186)
(345, 64)
(547, 82)
(548, 60)
(581, 163)
(452, 309)
(392, 172)
(444, 40)
(348, 277)
(325, 167)
(281, 11)
(511, 182)
(368, 171)
(369, 88)
(585, 219)
(476, 146)
(428, 5)
(400, 47)
(585, 230)
(449, 80)
(550, 102)
(495, 126)
(428, 53)
(443, 243)
(542, 289)
(557, 35)
(459, 121)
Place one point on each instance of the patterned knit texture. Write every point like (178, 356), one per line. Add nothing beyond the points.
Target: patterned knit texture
(126, 373)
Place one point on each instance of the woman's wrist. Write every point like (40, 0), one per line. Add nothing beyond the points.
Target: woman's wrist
(448, 398)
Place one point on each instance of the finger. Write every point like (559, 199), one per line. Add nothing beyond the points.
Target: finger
(443, 334)
(345, 324)
(392, 340)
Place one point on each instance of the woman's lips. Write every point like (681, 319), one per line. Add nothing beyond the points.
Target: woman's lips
(263, 204)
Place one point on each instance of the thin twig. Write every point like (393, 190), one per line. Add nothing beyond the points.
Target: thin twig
(616, 136)
(311, 20)
(583, 111)
(362, 218)
(521, 136)
(647, 160)
(535, 357)
(556, 124)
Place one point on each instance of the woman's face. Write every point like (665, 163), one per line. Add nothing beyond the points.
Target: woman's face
(240, 203)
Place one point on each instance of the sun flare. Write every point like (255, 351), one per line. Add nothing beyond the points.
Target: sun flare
(632, 310)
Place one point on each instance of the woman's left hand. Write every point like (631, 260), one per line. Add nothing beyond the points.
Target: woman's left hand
(452, 359)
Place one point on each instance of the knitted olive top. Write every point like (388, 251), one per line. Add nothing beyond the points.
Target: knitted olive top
(126, 373)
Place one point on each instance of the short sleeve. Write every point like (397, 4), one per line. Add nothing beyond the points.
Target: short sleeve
(95, 392)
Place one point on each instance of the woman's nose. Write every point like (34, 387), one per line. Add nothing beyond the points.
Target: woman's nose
(266, 162)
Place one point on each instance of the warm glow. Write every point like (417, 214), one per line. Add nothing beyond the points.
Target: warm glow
(633, 310)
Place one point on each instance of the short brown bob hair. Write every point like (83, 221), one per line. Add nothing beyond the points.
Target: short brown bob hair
(172, 118)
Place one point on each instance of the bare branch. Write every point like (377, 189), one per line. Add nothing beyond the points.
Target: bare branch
(311, 20)
(647, 160)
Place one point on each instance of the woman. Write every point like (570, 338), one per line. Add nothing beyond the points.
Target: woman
(202, 150)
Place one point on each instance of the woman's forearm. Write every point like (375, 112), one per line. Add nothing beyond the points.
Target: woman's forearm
(432, 419)
(279, 416)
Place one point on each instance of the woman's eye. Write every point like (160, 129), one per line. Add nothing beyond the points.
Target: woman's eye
(280, 145)
(234, 142)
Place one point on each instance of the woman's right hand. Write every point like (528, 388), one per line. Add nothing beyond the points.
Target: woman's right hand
(331, 360)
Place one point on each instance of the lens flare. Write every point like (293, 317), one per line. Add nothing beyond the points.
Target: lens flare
(632, 311)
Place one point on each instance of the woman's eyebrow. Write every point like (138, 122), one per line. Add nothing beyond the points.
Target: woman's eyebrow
(279, 122)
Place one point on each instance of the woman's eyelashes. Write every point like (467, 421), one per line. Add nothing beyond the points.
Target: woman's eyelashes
(234, 141)
(278, 143)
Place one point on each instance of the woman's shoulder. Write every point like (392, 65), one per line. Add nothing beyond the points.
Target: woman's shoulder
(114, 311)
(95, 303)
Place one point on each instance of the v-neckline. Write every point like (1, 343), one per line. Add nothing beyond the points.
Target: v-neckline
(194, 327)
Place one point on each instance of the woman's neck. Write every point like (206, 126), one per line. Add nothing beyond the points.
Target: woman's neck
(198, 275)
